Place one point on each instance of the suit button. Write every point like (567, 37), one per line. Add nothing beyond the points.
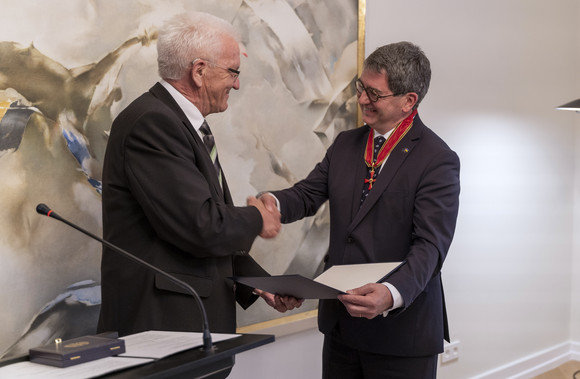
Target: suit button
(349, 240)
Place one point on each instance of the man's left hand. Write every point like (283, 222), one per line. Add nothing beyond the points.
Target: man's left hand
(367, 301)
(279, 303)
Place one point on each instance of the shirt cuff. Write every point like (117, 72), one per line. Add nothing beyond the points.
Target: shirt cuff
(397, 298)
(270, 193)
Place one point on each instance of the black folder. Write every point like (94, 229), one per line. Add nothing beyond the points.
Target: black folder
(334, 281)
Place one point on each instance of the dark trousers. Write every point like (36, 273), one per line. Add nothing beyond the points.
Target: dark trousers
(342, 361)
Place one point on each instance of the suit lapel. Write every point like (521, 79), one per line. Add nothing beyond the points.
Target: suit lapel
(161, 93)
(399, 154)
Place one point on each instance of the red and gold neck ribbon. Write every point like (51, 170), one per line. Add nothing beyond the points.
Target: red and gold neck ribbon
(388, 145)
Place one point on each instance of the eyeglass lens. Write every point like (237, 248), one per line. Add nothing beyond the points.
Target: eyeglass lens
(371, 94)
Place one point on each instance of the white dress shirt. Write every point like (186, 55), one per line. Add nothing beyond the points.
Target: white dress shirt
(191, 112)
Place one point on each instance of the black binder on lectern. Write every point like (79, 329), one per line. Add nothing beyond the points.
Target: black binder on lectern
(196, 363)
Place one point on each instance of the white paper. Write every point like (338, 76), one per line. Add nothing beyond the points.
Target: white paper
(347, 277)
(140, 348)
(84, 370)
(159, 344)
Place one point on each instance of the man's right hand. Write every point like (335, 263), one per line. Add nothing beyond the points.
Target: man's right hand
(270, 217)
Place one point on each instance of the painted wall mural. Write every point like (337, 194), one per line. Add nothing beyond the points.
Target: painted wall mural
(68, 67)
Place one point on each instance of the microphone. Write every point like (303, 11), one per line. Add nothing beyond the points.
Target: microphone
(43, 209)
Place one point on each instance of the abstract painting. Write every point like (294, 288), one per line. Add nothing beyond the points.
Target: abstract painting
(66, 70)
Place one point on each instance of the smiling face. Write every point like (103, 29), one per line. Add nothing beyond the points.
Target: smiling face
(218, 80)
(385, 113)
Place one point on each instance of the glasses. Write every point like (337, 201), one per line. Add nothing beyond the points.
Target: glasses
(234, 73)
(371, 92)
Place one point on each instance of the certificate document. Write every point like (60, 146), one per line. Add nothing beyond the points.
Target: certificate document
(328, 285)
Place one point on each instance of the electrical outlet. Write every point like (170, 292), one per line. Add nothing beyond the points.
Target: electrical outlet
(450, 351)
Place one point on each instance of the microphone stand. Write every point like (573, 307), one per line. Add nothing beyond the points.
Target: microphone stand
(43, 209)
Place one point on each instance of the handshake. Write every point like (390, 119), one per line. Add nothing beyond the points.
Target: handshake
(266, 204)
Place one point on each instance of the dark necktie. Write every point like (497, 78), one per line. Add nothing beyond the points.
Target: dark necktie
(378, 142)
(209, 142)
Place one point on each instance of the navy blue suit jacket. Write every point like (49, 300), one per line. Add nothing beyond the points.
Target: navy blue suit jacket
(410, 214)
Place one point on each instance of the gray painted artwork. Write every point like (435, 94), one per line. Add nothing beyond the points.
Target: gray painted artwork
(66, 70)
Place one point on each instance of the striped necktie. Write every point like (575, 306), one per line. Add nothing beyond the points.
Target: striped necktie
(209, 142)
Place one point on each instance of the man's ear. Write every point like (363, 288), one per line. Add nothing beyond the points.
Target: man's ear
(409, 101)
(198, 70)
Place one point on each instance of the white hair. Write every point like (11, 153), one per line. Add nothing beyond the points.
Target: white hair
(188, 36)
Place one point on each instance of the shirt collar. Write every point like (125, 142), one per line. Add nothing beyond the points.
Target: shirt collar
(191, 112)
(386, 135)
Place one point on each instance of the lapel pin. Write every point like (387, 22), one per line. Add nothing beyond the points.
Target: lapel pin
(405, 149)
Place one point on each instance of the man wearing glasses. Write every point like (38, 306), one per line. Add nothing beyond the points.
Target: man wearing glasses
(393, 190)
(166, 198)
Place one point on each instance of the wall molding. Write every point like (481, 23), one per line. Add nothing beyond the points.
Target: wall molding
(537, 363)
(284, 326)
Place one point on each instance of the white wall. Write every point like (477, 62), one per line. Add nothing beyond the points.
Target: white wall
(576, 264)
(499, 69)
(293, 356)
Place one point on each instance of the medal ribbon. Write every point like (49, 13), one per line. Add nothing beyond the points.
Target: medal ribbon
(396, 136)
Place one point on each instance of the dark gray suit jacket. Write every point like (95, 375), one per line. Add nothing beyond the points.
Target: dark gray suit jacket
(410, 214)
(162, 202)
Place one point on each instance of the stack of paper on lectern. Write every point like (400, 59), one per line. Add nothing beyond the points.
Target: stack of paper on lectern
(141, 348)
(329, 284)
